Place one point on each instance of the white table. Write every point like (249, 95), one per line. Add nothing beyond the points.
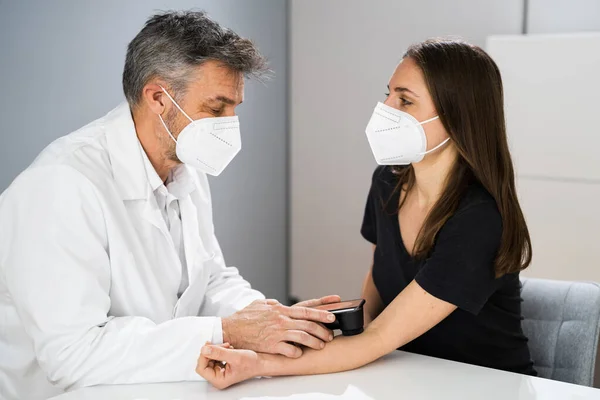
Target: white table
(397, 376)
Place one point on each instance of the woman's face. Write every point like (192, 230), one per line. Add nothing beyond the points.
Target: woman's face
(408, 92)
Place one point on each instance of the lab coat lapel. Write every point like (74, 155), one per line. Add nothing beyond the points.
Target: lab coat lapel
(129, 171)
(196, 254)
(185, 187)
(189, 298)
(132, 181)
(191, 237)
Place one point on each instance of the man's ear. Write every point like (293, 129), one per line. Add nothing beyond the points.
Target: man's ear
(154, 97)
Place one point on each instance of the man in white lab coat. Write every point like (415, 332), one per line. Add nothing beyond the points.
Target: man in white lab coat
(110, 271)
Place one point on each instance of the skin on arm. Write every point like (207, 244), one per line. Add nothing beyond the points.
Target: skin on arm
(412, 313)
(374, 305)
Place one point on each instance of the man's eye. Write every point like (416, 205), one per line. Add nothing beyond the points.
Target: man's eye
(219, 111)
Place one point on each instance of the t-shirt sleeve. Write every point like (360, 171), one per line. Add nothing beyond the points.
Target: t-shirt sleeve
(460, 269)
(369, 224)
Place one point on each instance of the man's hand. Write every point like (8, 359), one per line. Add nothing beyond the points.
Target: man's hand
(267, 326)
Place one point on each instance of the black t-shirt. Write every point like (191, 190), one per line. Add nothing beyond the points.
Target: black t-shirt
(485, 329)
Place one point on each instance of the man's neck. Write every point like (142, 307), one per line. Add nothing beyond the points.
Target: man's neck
(153, 145)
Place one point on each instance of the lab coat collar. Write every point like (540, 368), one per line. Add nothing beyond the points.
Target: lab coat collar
(130, 163)
(125, 154)
(153, 178)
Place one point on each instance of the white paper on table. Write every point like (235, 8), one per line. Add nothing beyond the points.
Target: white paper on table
(351, 393)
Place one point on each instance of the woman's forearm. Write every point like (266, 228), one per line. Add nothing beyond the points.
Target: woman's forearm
(412, 313)
(374, 305)
(335, 357)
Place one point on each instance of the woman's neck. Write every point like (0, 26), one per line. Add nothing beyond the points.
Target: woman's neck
(431, 174)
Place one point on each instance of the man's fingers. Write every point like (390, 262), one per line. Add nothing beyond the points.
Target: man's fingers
(272, 302)
(318, 302)
(288, 350)
(312, 328)
(308, 303)
(308, 314)
(333, 298)
(304, 339)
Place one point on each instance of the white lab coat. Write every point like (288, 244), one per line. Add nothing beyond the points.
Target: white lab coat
(89, 275)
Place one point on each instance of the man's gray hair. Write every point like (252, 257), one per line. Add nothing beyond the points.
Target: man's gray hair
(172, 43)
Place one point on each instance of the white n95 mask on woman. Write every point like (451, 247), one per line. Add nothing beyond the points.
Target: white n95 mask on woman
(207, 144)
(396, 137)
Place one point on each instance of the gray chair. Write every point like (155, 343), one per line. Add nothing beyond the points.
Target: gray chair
(562, 322)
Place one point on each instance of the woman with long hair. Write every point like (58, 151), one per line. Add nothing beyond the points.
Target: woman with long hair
(449, 237)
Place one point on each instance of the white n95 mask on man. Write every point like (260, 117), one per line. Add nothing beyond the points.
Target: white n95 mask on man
(207, 144)
(396, 137)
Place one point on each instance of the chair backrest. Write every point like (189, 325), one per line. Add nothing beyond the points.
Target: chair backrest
(562, 322)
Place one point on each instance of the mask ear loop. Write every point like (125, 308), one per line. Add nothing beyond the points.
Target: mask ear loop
(179, 108)
(167, 129)
(435, 148)
(439, 145)
(429, 120)
(176, 105)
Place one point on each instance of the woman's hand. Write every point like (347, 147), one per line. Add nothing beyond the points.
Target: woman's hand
(224, 366)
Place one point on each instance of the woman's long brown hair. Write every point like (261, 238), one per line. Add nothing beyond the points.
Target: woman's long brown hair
(466, 88)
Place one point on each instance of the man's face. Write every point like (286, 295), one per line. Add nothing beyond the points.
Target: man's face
(214, 91)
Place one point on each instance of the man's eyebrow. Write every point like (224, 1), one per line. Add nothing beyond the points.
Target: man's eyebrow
(224, 99)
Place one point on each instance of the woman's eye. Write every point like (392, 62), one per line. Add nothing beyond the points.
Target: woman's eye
(405, 102)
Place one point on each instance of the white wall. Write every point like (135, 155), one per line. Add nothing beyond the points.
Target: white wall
(342, 54)
(551, 86)
(61, 63)
(556, 135)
